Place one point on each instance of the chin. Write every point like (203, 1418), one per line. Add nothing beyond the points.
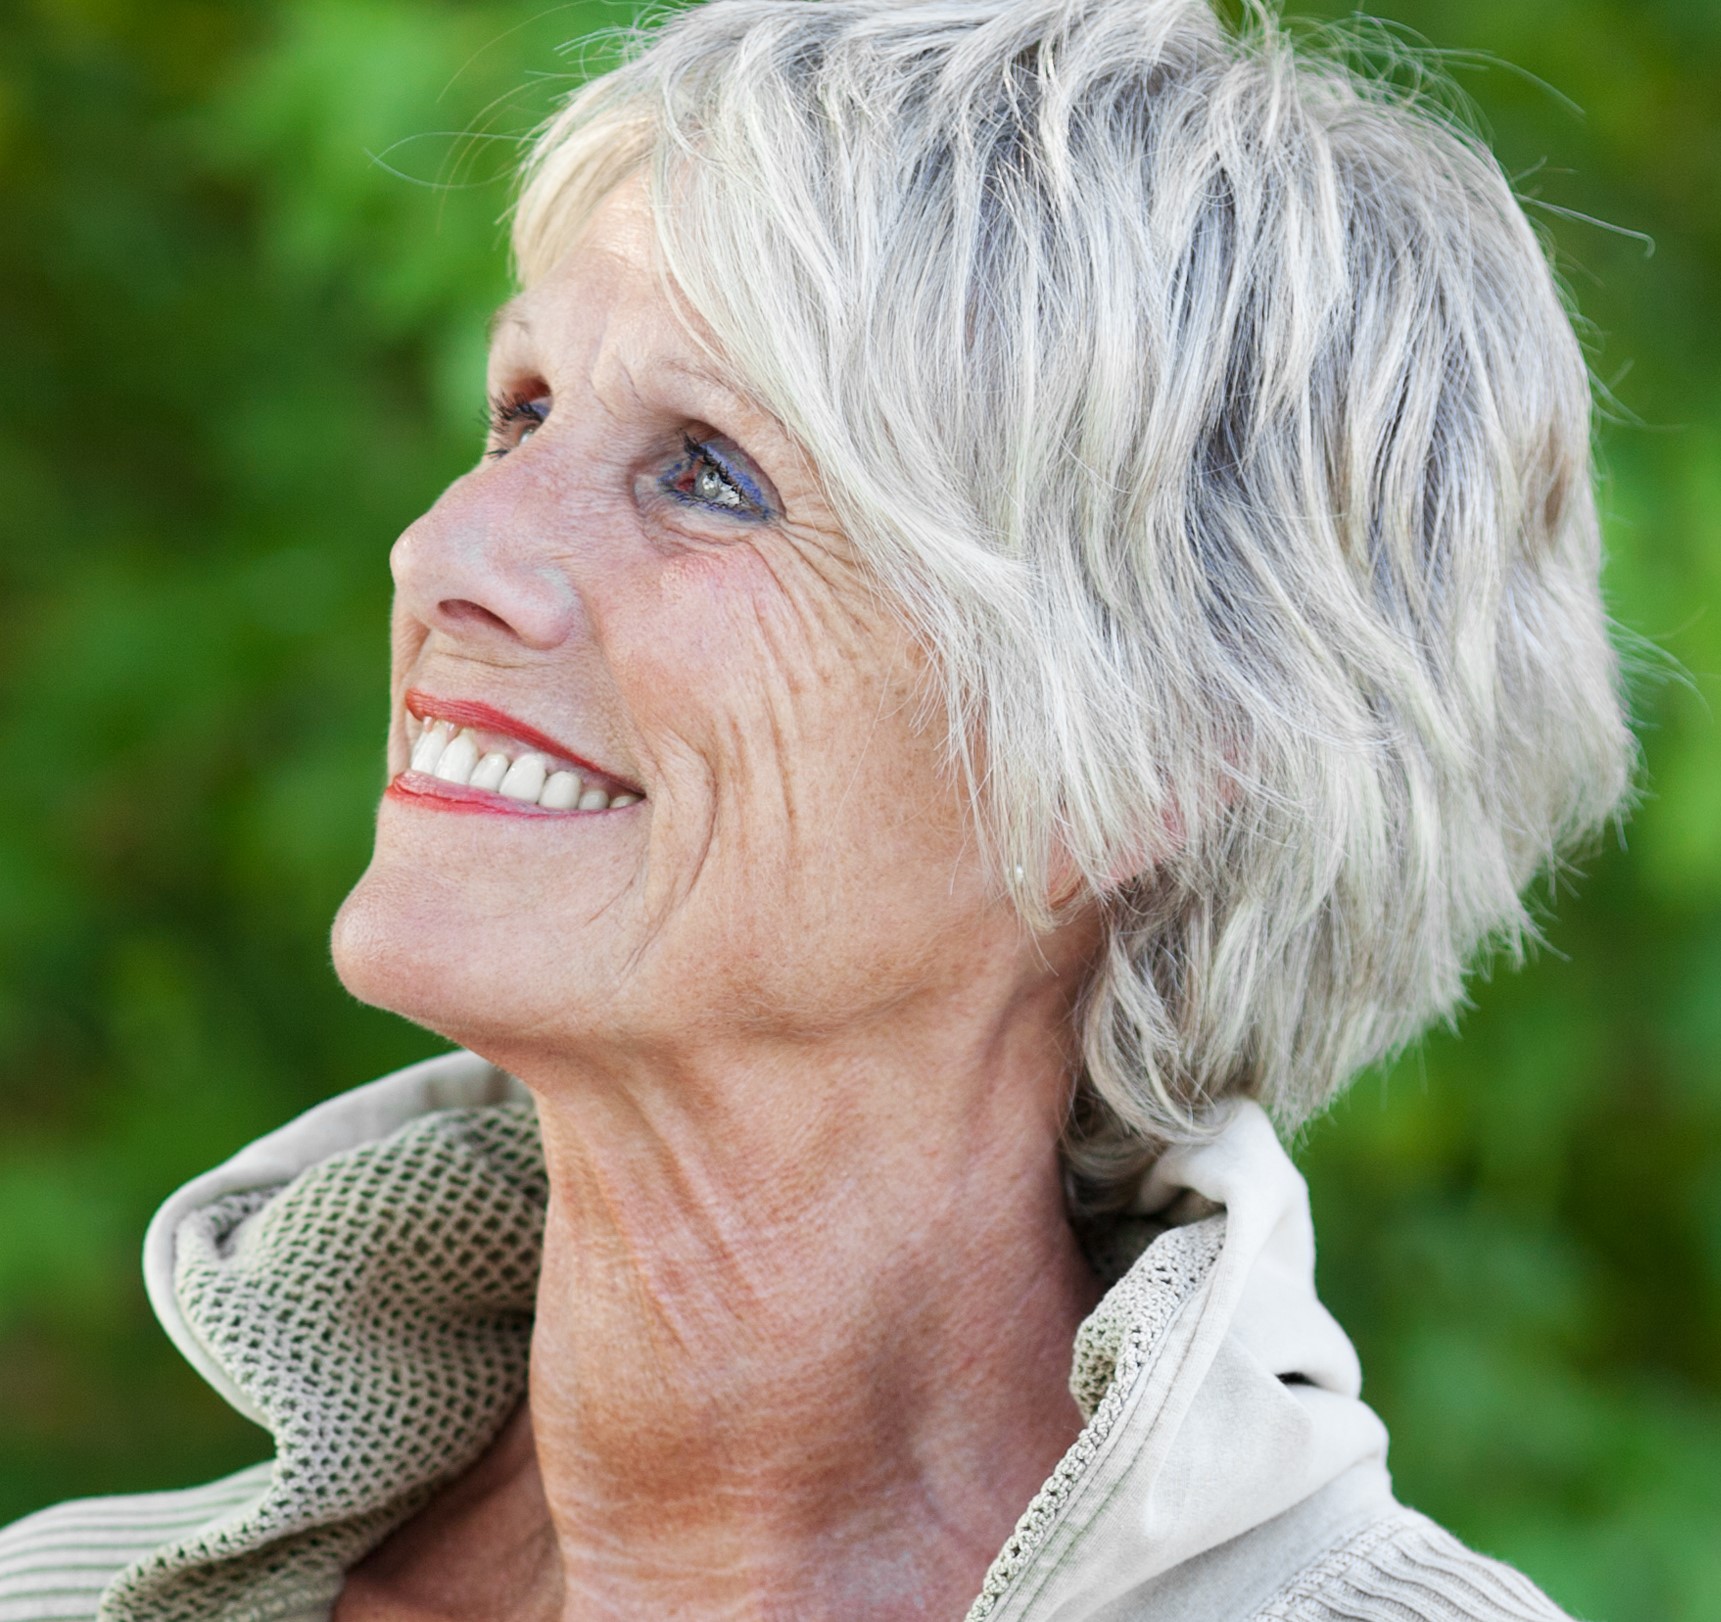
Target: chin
(396, 947)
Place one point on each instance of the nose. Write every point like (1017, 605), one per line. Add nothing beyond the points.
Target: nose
(476, 565)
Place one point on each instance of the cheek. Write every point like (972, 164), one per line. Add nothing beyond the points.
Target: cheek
(797, 725)
(682, 644)
(708, 607)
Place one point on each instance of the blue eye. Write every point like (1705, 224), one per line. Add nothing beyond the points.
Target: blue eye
(705, 478)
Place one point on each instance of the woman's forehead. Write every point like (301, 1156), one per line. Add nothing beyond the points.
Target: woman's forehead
(609, 294)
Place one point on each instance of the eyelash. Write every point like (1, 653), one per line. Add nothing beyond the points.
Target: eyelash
(506, 412)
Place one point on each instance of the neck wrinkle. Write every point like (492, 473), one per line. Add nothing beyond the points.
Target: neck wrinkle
(792, 1358)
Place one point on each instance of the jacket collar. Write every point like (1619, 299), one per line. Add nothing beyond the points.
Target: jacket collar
(360, 1282)
(1235, 1396)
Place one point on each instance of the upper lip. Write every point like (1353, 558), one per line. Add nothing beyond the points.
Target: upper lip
(469, 712)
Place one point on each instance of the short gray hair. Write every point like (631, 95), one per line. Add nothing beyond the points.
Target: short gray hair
(1213, 414)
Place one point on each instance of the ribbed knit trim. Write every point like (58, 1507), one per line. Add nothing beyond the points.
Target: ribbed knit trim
(1406, 1569)
(55, 1564)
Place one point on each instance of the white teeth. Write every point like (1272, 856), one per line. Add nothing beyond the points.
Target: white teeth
(458, 759)
(525, 779)
(490, 771)
(454, 756)
(428, 750)
(561, 792)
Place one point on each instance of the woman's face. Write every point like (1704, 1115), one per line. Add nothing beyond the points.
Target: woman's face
(640, 593)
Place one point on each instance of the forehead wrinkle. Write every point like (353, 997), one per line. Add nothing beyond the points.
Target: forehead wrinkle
(609, 362)
(622, 271)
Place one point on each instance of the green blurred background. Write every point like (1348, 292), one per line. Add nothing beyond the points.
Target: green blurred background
(246, 252)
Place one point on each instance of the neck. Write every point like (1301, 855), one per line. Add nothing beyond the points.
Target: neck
(793, 1355)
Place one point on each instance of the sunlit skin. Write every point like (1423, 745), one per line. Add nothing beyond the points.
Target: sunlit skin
(809, 1291)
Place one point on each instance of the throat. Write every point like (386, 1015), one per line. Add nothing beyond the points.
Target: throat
(814, 1410)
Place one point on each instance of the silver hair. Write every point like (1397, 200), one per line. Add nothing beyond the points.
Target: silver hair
(1212, 412)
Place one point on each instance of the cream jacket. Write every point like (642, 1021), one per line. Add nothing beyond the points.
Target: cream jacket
(360, 1283)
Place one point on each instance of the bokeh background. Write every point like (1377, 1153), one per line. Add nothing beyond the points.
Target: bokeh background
(246, 252)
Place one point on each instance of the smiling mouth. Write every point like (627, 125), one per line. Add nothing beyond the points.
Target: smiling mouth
(471, 757)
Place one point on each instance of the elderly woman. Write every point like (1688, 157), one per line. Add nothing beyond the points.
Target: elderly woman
(1032, 591)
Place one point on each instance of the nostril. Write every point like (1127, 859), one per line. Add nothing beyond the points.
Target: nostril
(462, 609)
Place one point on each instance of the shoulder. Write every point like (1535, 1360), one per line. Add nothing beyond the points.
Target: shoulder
(1404, 1568)
(55, 1564)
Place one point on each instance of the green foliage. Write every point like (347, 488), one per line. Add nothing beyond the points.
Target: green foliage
(243, 293)
(248, 253)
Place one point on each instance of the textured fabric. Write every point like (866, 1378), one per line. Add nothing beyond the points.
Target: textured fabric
(1406, 1569)
(377, 1312)
(363, 1283)
(1234, 1579)
(367, 1114)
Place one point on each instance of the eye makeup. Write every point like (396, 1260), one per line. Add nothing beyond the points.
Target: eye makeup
(707, 478)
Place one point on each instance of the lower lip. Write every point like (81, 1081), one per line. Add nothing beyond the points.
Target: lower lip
(432, 794)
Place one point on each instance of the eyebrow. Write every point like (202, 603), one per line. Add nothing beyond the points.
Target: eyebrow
(512, 314)
(506, 315)
(716, 383)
